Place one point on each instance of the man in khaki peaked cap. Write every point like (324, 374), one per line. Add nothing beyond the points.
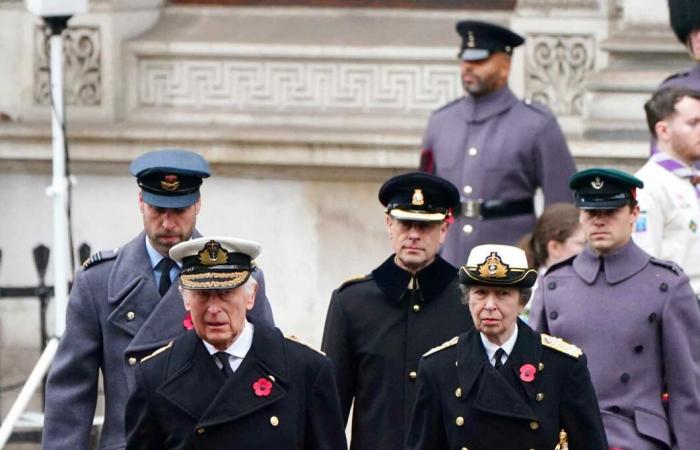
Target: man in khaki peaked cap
(230, 383)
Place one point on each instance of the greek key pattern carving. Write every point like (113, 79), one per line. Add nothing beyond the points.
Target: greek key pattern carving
(295, 86)
(82, 57)
(556, 68)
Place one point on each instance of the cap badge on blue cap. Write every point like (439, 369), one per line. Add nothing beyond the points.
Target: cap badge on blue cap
(212, 254)
(493, 267)
(471, 42)
(597, 183)
(170, 182)
(418, 199)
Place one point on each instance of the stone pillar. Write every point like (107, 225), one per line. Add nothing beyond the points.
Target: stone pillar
(93, 68)
(642, 53)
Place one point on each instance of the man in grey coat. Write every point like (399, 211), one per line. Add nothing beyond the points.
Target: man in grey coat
(124, 304)
(497, 149)
(635, 316)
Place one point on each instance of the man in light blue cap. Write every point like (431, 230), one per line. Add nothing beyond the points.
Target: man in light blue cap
(123, 305)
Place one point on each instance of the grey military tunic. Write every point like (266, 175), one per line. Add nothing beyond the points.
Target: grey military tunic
(497, 148)
(639, 323)
(689, 79)
(115, 317)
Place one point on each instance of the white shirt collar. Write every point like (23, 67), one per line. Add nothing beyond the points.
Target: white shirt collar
(507, 345)
(240, 347)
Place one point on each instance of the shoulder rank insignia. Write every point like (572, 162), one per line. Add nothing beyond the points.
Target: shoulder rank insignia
(444, 345)
(353, 280)
(157, 352)
(293, 338)
(561, 345)
(99, 257)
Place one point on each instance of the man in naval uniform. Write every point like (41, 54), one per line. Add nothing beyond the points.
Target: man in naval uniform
(668, 226)
(497, 149)
(379, 325)
(502, 385)
(122, 306)
(635, 316)
(229, 383)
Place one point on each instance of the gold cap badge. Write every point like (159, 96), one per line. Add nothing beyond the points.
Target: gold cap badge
(418, 199)
(170, 183)
(212, 254)
(493, 267)
(597, 183)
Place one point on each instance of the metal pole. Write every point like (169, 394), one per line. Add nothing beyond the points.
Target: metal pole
(25, 395)
(59, 188)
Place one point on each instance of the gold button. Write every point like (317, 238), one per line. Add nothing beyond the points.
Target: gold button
(200, 430)
(472, 151)
(416, 308)
(132, 361)
(413, 375)
(458, 392)
(539, 397)
(540, 367)
(274, 421)
(465, 448)
(468, 229)
(534, 425)
(272, 377)
(459, 421)
(468, 189)
(130, 315)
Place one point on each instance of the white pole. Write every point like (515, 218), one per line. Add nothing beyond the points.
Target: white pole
(59, 189)
(27, 392)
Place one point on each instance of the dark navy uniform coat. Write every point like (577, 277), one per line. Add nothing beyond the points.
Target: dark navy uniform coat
(464, 402)
(376, 331)
(115, 317)
(497, 148)
(183, 401)
(639, 323)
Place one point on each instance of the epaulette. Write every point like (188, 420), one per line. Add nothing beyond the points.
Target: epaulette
(293, 338)
(99, 257)
(157, 352)
(561, 345)
(537, 106)
(567, 262)
(353, 280)
(448, 104)
(442, 346)
(670, 265)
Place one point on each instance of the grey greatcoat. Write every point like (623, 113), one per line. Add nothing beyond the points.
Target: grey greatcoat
(639, 323)
(497, 147)
(115, 317)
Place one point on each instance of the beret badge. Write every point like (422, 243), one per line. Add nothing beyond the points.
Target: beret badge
(493, 267)
(212, 254)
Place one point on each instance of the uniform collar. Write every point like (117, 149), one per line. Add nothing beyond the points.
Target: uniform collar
(483, 108)
(239, 348)
(619, 265)
(507, 346)
(432, 280)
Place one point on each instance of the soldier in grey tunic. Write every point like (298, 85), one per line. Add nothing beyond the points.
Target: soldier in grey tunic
(498, 150)
(123, 306)
(635, 316)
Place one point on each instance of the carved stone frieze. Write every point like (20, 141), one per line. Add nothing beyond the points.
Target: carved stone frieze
(82, 58)
(557, 65)
(233, 85)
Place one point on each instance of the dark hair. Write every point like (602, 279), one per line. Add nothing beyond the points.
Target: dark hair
(662, 105)
(557, 223)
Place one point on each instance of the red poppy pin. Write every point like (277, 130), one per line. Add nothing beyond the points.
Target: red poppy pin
(527, 372)
(262, 387)
(187, 321)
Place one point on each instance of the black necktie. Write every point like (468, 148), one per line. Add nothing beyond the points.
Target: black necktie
(499, 359)
(164, 266)
(225, 365)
